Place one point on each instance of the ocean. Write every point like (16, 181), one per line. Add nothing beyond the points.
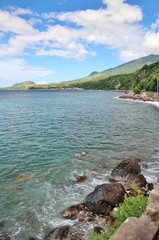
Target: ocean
(42, 136)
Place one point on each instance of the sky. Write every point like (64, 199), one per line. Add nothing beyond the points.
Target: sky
(59, 40)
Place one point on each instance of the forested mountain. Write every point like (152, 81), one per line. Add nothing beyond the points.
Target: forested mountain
(142, 72)
(144, 78)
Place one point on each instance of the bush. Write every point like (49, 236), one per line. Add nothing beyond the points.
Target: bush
(136, 90)
(150, 94)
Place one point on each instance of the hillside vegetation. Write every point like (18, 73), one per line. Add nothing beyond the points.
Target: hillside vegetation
(142, 72)
(23, 85)
(144, 78)
(121, 69)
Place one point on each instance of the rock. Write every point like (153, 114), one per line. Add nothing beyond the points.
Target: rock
(125, 169)
(139, 180)
(104, 197)
(25, 177)
(5, 236)
(98, 229)
(144, 165)
(80, 155)
(66, 232)
(150, 186)
(81, 178)
(72, 211)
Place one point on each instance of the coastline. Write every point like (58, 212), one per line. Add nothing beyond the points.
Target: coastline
(101, 173)
(142, 97)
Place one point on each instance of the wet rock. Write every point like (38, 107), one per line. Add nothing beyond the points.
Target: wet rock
(139, 180)
(144, 165)
(66, 232)
(5, 236)
(80, 155)
(73, 211)
(104, 197)
(80, 178)
(125, 169)
(98, 229)
(150, 186)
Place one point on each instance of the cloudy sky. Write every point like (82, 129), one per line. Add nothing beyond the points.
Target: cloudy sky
(57, 40)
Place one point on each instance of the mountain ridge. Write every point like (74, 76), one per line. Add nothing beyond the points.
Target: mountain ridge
(95, 76)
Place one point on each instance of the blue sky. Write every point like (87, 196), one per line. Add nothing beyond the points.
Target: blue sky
(58, 40)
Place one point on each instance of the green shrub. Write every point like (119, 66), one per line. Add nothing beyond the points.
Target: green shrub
(150, 94)
(132, 207)
(136, 90)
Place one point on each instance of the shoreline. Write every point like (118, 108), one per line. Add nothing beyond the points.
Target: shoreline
(142, 97)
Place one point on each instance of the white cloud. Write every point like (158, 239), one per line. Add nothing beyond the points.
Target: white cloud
(151, 42)
(17, 70)
(116, 26)
(155, 26)
(19, 11)
(151, 39)
(14, 24)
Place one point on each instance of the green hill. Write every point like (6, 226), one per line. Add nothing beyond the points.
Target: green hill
(121, 69)
(108, 79)
(22, 85)
(144, 78)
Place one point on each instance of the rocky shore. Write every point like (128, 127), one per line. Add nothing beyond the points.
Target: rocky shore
(94, 213)
(138, 97)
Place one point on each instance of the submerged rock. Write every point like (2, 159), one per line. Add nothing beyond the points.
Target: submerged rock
(25, 177)
(5, 236)
(125, 169)
(104, 197)
(80, 178)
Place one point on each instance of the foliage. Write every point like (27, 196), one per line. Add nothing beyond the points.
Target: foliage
(150, 94)
(137, 73)
(136, 90)
(132, 207)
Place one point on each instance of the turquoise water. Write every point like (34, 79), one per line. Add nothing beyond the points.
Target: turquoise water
(42, 134)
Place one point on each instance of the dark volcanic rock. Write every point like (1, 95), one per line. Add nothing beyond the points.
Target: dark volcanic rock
(5, 237)
(80, 178)
(73, 211)
(139, 180)
(125, 169)
(66, 232)
(104, 197)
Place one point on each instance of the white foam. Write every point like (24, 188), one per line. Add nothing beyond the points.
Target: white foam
(154, 103)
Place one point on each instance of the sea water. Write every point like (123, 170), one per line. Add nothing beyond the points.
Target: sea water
(43, 133)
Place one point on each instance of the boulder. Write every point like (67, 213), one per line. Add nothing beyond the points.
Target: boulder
(104, 197)
(125, 169)
(139, 180)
